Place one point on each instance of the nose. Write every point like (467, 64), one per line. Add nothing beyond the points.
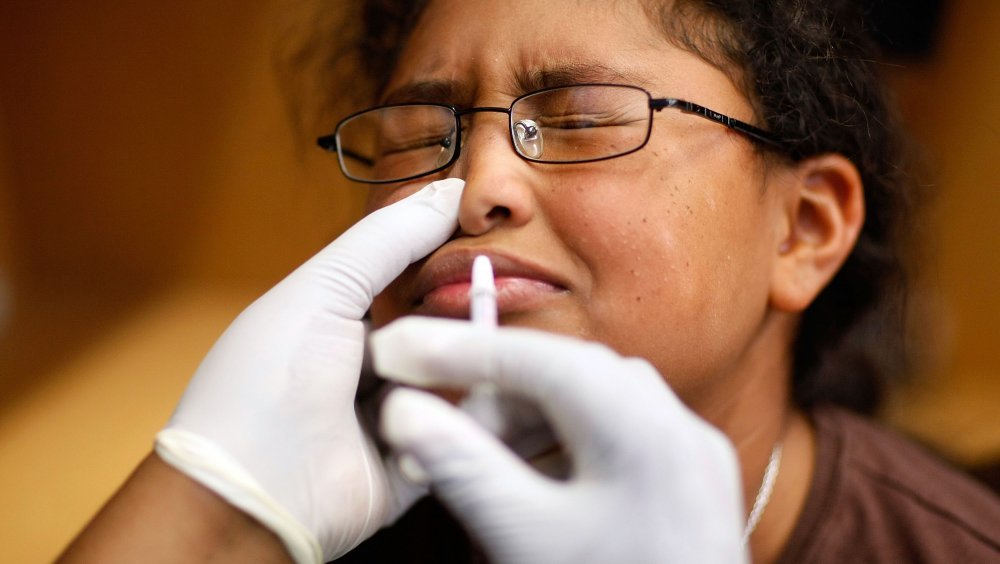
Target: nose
(498, 183)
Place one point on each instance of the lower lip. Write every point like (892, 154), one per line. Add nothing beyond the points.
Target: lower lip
(513, 295)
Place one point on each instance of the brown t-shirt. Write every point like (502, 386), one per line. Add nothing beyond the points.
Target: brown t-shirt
(875, 497)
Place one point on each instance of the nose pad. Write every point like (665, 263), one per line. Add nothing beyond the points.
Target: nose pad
(528, 137)
(447, 150)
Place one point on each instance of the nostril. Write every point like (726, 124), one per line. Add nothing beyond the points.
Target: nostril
(499, 212)
(473, 224)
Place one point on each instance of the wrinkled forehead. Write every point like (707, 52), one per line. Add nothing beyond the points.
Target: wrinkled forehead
(462, 50)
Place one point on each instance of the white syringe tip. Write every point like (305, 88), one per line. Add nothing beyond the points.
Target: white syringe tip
(483, 293)
(482, 276)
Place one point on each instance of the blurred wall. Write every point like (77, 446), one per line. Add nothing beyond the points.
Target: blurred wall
(146, 138)
(950, 103)
(6, 253)
(151, 186)
(147, 145)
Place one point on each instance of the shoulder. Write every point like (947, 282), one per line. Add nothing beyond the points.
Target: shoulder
(878, 497)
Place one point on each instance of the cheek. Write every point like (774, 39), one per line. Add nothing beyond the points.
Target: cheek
(677, 276)
(382, 195)
(630, 234)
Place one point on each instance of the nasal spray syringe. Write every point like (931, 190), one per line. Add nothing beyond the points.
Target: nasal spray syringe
(519, 423)
(481, 403)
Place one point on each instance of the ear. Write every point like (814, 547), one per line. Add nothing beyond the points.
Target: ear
(824, 211)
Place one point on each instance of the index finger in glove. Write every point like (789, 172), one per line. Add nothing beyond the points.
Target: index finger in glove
(367, 257)
(593, 397)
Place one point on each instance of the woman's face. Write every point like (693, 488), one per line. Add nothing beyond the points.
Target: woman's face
(665, 254)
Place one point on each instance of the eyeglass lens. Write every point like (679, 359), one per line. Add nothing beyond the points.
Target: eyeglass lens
(562, 125)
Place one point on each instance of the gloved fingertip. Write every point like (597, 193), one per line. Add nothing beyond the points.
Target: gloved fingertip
(413, 471)
(446, 184)
(403, 350)
(405, 414)
(443, 195)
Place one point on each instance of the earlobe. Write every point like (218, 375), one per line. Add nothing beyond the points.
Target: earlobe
(825, 212)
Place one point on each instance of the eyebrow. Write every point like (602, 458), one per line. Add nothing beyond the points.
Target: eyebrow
(575, 73)
(431, 91)
(451, 91)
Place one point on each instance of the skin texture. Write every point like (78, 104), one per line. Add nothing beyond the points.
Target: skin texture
(695, 253)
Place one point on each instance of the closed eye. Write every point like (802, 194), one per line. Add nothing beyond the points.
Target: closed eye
(402, 146)
(585, 121)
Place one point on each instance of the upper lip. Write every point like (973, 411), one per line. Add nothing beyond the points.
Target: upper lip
(455, 267)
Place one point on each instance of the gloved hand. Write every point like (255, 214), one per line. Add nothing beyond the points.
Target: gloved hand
(268, 421)
(649, 482)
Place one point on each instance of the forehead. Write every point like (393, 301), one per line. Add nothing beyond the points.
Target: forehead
(464, 50)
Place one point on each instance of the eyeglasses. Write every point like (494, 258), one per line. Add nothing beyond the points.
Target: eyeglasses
(563, 125)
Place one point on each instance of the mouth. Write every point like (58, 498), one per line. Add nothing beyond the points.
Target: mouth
(441, 286)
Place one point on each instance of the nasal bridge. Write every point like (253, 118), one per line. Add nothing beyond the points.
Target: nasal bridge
(525, 133)
(467, 111)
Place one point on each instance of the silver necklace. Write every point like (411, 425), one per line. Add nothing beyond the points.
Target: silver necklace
(764, 493)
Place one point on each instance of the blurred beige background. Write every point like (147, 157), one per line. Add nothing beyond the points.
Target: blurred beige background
(151, 185)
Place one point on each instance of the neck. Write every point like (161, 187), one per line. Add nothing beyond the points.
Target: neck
(755, 411)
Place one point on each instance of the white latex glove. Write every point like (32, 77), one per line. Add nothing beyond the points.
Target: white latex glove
(650, 480)
(268, 421)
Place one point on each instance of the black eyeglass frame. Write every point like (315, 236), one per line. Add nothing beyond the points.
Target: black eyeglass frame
(331, 142)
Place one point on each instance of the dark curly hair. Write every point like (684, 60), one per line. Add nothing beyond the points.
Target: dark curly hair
(809, 68)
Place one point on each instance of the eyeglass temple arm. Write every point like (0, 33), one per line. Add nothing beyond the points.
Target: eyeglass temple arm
(734, 124)
(329, 142)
